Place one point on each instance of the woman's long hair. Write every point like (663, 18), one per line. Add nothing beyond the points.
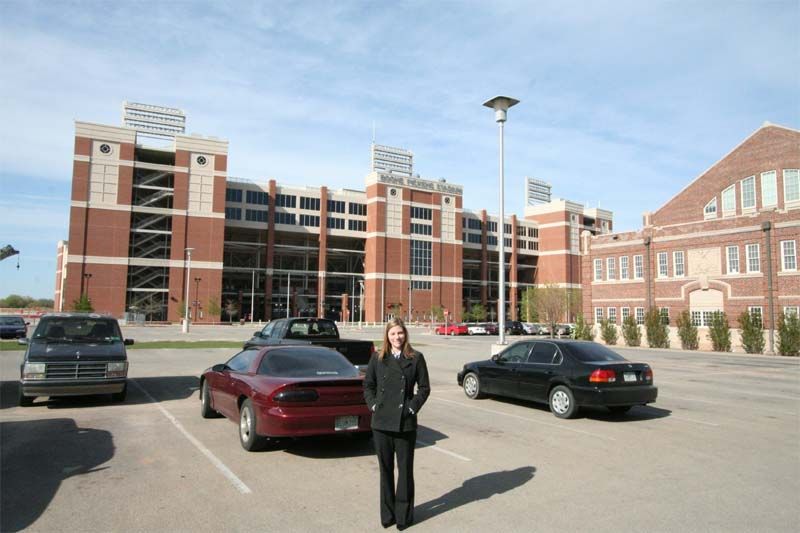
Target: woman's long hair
(386, 349)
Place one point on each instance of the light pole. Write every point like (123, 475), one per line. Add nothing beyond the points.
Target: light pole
(188, 251)
(196, 291)
(252, 295)
(409, 299)
(288, 291)
(360, 301)
(500, 104)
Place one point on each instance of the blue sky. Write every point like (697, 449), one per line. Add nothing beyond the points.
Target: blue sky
(622, 103)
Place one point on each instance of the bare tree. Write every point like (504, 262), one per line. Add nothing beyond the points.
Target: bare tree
(231, 309)
(551, 303)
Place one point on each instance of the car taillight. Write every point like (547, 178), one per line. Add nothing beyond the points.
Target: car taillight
(296, 395)
(601, 375)
(648, 374)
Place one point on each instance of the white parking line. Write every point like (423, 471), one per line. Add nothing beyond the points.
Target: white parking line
(442, 450)
(238, 483)
(727, 404)
(527, 419)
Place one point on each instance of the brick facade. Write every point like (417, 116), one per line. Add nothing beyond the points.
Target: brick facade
(702, 262)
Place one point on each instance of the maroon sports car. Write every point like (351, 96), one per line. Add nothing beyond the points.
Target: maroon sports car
(286, 391)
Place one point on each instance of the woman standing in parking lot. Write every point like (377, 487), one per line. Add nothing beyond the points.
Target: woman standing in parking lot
(395, 388)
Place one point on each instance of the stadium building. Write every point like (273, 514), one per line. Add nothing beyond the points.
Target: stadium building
(156, 222)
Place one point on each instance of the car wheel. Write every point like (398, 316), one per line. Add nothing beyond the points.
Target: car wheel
(25, 401)
(452, 333)
(620, 409)
(562, 402)
(470, 333)
(206, 411)
(472, 386)
(120, 396)
(247, 428)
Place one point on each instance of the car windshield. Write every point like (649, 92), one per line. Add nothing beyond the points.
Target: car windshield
(306, 363)
(593, 352)
(301, 329)
(77, 329)
(11, 321)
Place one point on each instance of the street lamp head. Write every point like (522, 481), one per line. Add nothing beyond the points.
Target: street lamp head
(500, 104)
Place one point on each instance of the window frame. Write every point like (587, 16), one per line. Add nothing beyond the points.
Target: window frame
(785, 256)
(611, 268)
(598, 315)
(728, 250)
(624, 270)
(750, 257)
(707, 213)
(598, 270)
(791, 175)
(662, 273)
(638, 267)
(675, 255)
(729, 193)
(748, 187)
(770, 177)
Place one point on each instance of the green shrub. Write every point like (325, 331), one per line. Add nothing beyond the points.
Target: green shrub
(608, 331)
(720, 332)
(657, 331)
(631, 331)
(752, 333)
(687, 332)
(789, 335)
(82, 304)
(583, 331)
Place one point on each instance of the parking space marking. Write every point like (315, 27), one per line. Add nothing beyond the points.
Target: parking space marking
(527, 419)
(442, 450)
(760, 408)
(235, 481)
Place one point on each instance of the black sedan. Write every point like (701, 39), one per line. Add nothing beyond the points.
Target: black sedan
(565, 374)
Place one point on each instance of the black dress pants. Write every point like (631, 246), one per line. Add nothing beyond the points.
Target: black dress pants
(396, 506)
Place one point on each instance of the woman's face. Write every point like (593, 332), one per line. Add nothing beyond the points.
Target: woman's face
(396, 337)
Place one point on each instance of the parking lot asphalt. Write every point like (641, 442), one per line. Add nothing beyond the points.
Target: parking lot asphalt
(718, 451)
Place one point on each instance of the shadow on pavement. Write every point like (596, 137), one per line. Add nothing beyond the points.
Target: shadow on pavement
(37, 455)
(636, 414)
(339, 446)
(478, 488)
(160, 388)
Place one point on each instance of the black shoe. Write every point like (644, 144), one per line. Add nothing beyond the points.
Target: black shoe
(402, 527)
(390, 523)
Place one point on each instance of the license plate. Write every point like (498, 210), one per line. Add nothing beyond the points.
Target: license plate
(629, 376)
(345, 422)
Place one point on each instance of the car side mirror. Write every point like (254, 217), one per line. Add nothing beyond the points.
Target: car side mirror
(128, 342)
(257, 334)
(219, 367)
(22, 341)
(27, 323)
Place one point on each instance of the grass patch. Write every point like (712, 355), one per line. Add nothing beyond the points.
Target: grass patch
(183, 345)
(10, 346)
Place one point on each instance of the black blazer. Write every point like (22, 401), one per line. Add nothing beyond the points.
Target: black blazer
(389, 391)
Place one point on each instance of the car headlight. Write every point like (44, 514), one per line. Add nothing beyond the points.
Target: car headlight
(117, 370)
(33, 371)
